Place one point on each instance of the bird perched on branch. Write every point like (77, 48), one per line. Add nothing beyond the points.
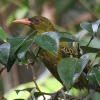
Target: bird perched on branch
(42, 24)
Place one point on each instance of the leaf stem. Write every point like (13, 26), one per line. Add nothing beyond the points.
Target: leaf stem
(90, 40)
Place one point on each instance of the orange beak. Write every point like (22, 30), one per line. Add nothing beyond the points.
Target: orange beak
(22, 21)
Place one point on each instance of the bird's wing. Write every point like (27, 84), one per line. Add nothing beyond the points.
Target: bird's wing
(69, 50)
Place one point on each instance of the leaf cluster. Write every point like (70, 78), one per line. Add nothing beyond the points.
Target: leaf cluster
(17, 49)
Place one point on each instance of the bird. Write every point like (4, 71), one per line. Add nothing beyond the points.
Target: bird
(42, 24)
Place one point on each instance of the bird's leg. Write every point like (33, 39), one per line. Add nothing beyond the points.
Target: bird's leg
(90, 40)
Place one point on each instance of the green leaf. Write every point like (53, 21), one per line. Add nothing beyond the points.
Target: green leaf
(86, 49)
(48, 41)
(2, 34)
(97, 74)
(23, 50)
(4, 53)
(84, 60)
(91, 77)
(87, 26)
(64, 36)
(27, 89)
(69, 69)
(91, 27)
(66, 69)
(95, 26)
(97, 55)
(16, 44)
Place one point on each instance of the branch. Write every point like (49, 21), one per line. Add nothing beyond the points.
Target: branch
(34, 79)
(90, 40)
(46, 60)
(62, 91)
(55, 97)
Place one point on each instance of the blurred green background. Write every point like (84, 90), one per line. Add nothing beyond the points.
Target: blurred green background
(66, 15)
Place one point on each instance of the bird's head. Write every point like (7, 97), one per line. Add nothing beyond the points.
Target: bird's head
(39, 23)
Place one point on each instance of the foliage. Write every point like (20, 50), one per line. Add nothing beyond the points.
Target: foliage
(17, 49)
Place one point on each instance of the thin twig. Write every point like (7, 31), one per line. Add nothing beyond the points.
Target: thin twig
(90, 40)
(46, 60)
(57, 93)
(62, 91)
(34, 79)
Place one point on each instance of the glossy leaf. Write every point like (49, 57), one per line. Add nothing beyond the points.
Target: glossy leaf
(91, 76)
(64, 36)
(97, 74)
(87, 26)
(4, 53)
(66, 69)
(90, 27)
(97, 55)
(95, 26)
(15, 44)
(84, 60)
(19, 42)
(21, 52)
(69, 69)
(48, 41)
(86, 49)
(80, 65)
(2, 34)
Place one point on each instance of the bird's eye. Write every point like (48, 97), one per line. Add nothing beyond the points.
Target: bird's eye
(37, 20)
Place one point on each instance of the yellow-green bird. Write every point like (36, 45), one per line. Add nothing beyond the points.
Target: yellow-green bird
(42, 24)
